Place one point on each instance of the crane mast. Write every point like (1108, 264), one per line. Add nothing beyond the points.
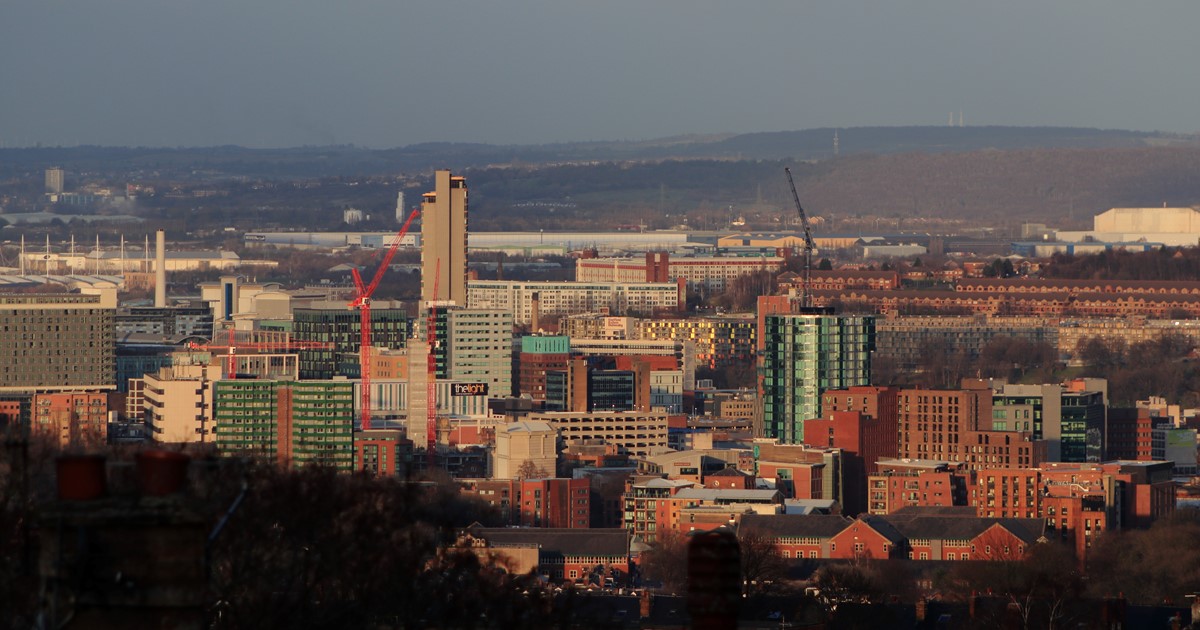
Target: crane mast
(362, 302)
(806, 291)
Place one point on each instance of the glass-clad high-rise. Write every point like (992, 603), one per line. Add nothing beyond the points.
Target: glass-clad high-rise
(805, 355)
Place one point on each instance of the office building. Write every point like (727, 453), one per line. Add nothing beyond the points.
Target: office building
(540, 354)
(1070, 420)
(139, 355)
(664, 354)
(173, 321)
(806, 355)
(525, 299)
(342, 327)
(474, 346)
(57, 342)
(444, 240)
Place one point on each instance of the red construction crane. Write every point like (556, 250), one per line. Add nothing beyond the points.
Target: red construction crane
(431, 375)
(277, 342)
(362, 302)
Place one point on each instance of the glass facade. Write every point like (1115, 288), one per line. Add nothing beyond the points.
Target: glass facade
(804, 356)
(343, 329)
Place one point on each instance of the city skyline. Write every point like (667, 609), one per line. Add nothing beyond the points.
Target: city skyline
(266, 75)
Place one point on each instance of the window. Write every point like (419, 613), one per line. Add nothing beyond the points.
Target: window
(574, 574)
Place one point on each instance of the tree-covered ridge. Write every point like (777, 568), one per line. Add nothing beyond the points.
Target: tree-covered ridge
(1164, 264)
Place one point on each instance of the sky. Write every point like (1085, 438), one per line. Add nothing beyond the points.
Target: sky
(388, 73)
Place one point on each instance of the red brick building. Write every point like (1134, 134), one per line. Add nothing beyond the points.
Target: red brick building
(916, 535)
(729, 479)
(1007, 493)
(648, 510)
(931, 423)
(562, 555)
(531, 375)
(802, 472)
(544, 503)
(1130, 433)
(862, 422)
(952, 425)
(383, 452)
(841, 279)
(909, 483)
(1012, 297)
(71, 417)
(1078, 501)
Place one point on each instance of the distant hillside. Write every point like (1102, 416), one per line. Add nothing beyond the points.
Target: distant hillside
(995, 187)
(811, 144)
(994, 175)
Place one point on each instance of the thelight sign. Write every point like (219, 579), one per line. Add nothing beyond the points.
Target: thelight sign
(469, 389)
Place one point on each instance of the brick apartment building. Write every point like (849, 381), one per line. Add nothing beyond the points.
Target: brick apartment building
(551, 502)
(954, 425)
(1077, 501)
(901, 483)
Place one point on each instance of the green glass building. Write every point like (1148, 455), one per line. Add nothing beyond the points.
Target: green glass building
(805, 355)
(294, 423)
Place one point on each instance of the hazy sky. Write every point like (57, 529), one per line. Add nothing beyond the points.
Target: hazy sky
(270, 73)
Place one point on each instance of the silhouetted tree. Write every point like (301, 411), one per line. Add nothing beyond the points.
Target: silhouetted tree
(666, 561)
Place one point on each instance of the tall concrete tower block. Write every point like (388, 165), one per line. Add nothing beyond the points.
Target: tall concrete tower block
(55, 181)
(444, 240)
(160, 269)
(400, 214)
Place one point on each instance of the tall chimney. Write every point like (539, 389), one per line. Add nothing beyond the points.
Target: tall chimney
(160, 269)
